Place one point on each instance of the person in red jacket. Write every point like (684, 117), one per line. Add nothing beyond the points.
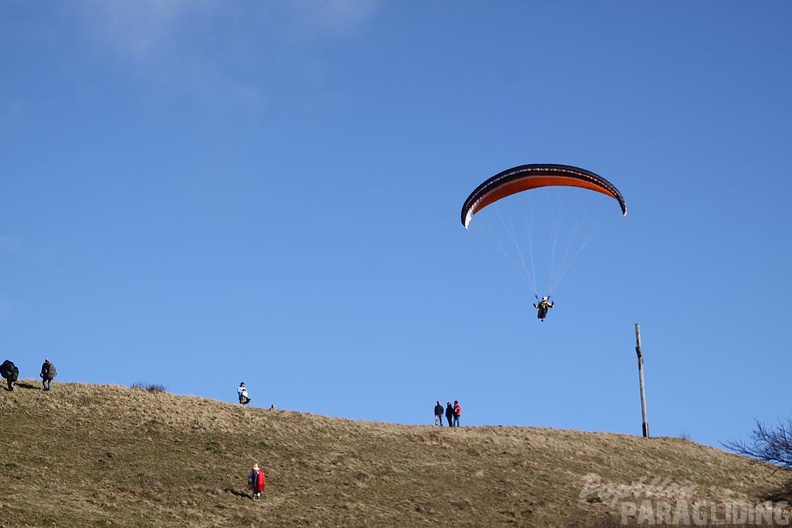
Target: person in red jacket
(457, 413)
(257, 481)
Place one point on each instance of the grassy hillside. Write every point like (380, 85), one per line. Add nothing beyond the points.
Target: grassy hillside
(95, 455)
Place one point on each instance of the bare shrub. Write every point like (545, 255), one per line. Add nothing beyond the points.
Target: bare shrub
(768, 444)
(149, 387)
(772, 445)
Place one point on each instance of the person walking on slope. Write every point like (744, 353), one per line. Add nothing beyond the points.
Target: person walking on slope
(47, 374)
(457, 413)
(242, 392)
(449, 414)
(10, 372)
(257, 481)
(438, 414)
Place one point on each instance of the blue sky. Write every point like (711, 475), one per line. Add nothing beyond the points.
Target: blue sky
(195, 193)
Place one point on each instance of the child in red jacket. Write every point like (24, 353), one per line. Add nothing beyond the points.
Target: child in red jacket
(257, 481)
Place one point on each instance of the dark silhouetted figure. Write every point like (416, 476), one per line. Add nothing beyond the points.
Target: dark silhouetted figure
(47, 374)
(10, 372)
(450, 414)
(438, 410)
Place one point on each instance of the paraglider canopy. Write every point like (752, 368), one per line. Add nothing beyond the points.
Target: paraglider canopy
(533, 176)
(545, 228)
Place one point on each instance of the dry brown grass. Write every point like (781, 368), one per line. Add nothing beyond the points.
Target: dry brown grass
(97, 455)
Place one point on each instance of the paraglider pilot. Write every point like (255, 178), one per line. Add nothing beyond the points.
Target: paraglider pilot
(543, 306)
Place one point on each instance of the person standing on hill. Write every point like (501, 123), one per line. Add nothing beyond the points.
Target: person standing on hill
(450, 414)
(457, 413)
(10, 372)
(438, 414)
(47, 374)
(242, 392)
(257, 481)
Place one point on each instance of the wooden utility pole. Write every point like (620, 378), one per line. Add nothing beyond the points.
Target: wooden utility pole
(645, 425)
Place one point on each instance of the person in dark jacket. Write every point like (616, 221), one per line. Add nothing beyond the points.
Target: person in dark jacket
(450, 414)
(47, 374)
(10, 372)
(439, 414)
